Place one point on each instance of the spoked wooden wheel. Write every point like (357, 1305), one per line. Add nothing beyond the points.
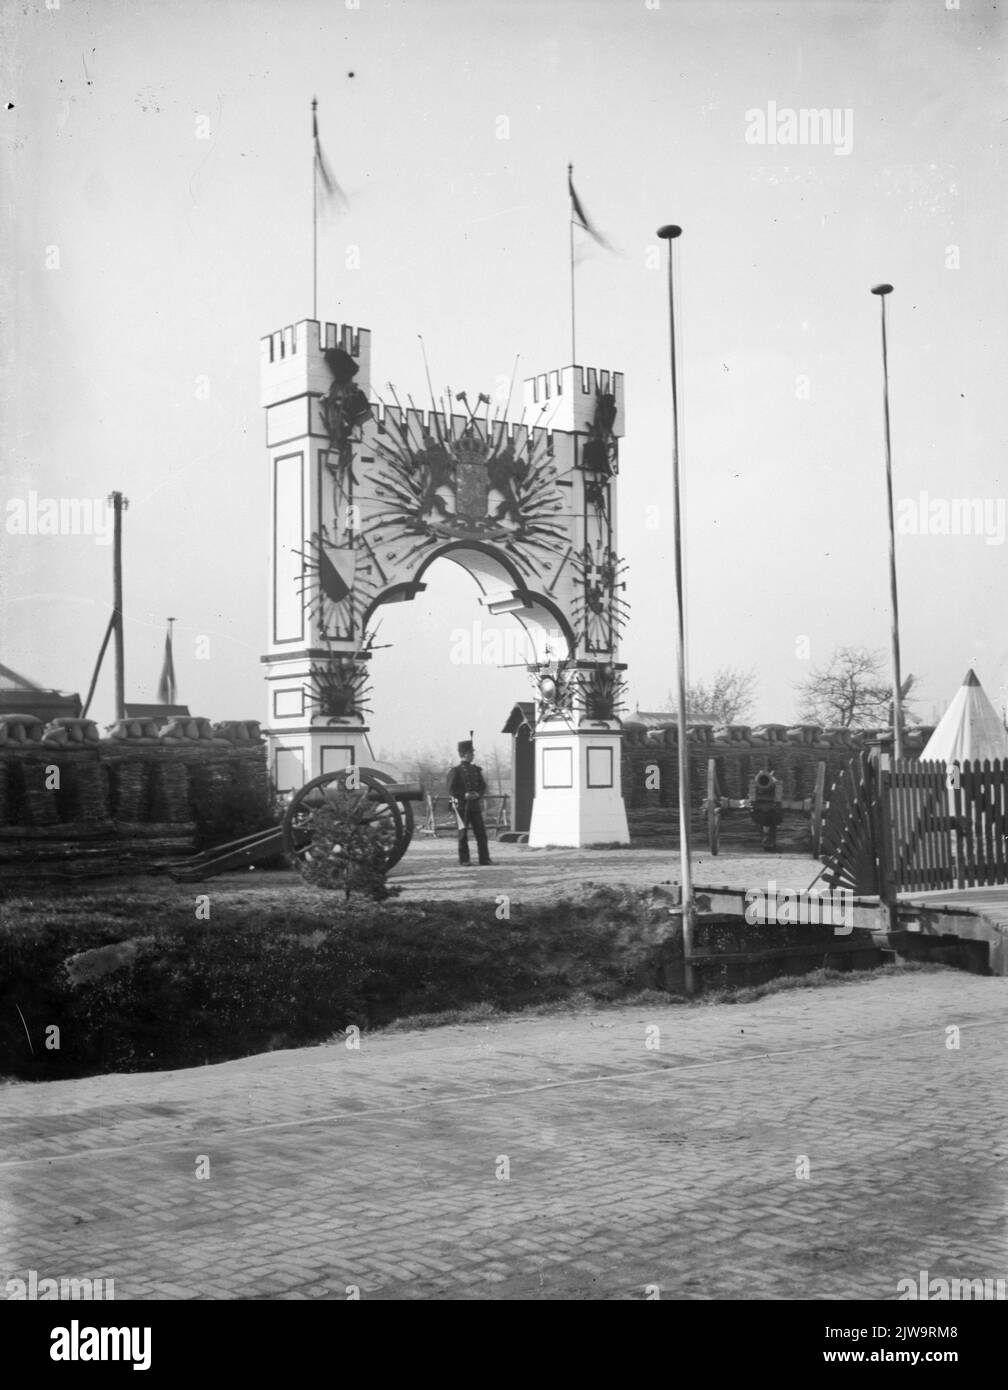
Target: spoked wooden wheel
(405, 810)
(342, 826)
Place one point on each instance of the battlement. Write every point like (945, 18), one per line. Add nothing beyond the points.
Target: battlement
(392, 420)
(292, 361)
(567, 397)
(307, 336)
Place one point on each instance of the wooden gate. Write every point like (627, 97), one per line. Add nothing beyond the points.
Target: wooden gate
(898, 826)
(916, 812)
(980, 808)
(849, 846)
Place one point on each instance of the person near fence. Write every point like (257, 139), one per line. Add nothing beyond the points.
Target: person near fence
(467, 787)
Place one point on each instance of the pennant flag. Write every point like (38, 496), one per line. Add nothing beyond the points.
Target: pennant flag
(333, 197)
(166, 685)
(578, 215)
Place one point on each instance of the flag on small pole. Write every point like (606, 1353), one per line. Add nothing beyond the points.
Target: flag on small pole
(579, 218)
(166, 685)
(333, 198)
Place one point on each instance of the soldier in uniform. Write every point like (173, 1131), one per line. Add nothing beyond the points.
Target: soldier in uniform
(467, 786)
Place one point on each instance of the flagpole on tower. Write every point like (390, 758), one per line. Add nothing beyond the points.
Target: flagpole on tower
(314, 184)
(570, 185)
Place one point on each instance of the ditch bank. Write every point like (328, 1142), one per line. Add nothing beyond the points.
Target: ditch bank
(91, 985)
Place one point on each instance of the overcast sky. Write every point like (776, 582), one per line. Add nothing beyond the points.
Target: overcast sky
(134, 362)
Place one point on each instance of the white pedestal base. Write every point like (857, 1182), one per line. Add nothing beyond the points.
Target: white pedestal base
(300, 754)
(578, 791)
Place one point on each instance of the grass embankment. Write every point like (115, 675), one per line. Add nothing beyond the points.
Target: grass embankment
(136, 984)
(133, 982)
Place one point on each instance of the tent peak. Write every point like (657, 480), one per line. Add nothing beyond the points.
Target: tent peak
(970, 677)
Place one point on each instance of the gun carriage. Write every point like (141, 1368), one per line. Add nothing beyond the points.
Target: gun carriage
(336, 827)
(766, 805)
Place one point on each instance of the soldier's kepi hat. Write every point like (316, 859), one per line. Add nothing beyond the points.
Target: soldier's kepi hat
(341, 364)
(466, 746)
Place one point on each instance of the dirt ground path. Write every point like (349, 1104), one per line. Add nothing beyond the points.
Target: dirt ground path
(430, 871)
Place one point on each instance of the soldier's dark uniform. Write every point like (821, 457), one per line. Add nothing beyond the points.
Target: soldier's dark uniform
(466, 786)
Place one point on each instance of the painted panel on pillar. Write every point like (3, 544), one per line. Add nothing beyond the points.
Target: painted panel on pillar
(288, 704)
(557, 767)
(288, 769)
(288, 547)
(600, 767)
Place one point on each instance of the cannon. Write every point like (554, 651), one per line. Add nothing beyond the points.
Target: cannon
(349, 822)
(766, 804)
(336, 830)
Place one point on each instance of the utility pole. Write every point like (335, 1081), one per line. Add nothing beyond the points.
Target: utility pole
(119, 505)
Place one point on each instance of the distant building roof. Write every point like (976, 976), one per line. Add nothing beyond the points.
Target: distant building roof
(162, 712)
(662, 719)
(19, 695)
(10, 680)
(522, 713)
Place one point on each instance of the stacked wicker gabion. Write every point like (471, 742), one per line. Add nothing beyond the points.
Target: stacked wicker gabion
(739, 751)
(63, 782)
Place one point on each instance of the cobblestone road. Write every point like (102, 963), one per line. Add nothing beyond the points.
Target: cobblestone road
(548, 1158)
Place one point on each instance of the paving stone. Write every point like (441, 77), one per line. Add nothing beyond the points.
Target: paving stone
(387, 1180)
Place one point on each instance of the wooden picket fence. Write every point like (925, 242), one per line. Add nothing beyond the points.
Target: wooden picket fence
(902, 826)
(440, 818)
(981, 812)
(916, 826)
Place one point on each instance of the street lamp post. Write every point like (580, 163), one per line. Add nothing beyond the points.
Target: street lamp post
(670, 234)
(897, 686)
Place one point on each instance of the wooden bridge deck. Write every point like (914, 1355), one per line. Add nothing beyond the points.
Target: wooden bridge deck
(977, 913)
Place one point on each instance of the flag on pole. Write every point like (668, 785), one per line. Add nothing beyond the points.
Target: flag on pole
(579, 217)
(166, 685)
(332, 196)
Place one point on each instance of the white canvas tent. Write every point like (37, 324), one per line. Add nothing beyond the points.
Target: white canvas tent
(970, 729)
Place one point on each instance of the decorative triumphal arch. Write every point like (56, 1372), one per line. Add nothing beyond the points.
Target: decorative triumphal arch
(366, 492)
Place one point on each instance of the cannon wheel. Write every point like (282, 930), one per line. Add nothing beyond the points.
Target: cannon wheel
(348, 821)
(713, 807)
(405, 810)
(816, 816)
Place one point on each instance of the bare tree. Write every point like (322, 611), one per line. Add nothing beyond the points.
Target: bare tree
(851, 692)
(497, 765)
(432, 767)
(428, 766)
(727, 699)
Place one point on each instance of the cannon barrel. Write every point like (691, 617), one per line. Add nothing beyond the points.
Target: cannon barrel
(405, 791)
